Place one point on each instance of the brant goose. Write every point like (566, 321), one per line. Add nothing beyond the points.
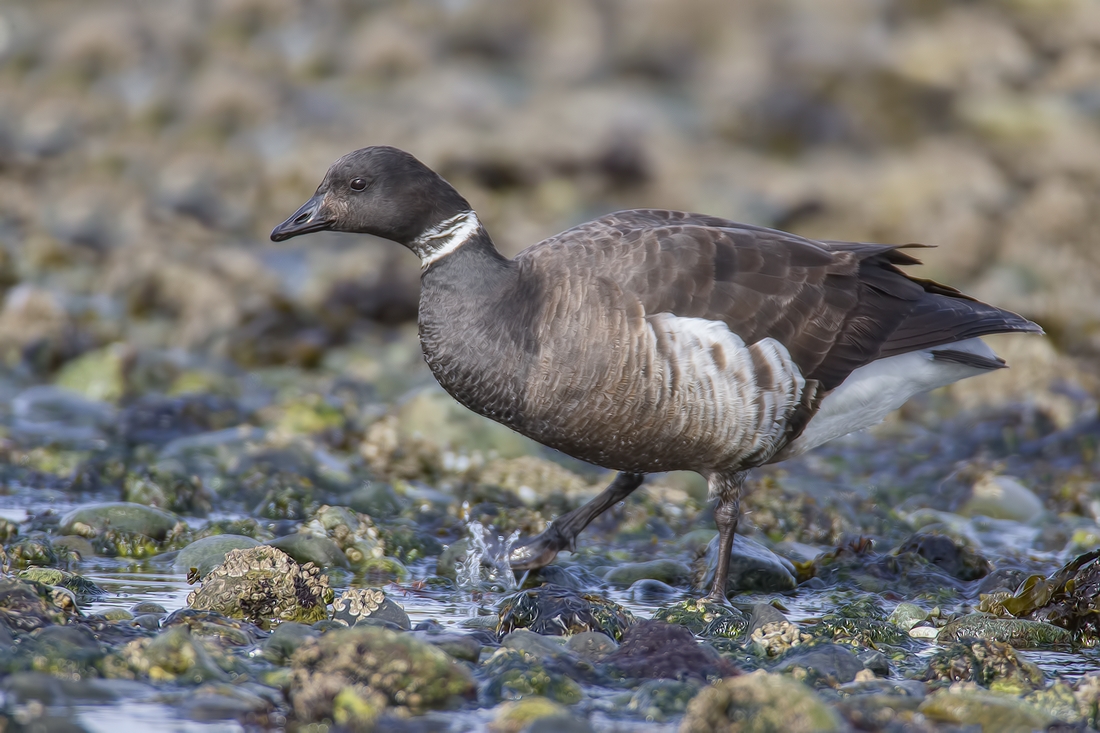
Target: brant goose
(651, 340)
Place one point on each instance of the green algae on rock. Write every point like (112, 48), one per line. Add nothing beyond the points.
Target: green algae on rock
(34, 550)
(759, 703)
(1020, 633)
(992, 712)
(697, 613)
(123, 528)
(373, 668)
(557, 611)
(514, 673)
(515, 716)
(84, 589)
(173, 655)
(265, 586)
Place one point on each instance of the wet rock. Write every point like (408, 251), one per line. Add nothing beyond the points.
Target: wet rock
(513, 674)
(593, 646)
(982, 708)
(991, 664)
(451, 558)
(1020, 633)
(172, 655)
(45, 410)
(97, 375)
(658, 700)
(264, 586)
(770, 633)
(122, 528)
(354, 533)
(207, 553)
(70, 652)
(753, 567)
(1058, 702)
(957, 560)
(217, 627)
(516, 716)
(1002, 497)
(32, 551)
(464, 647)
(907, 615)
(245, 704)
(659, 650)
(650, 591)
(409, 543)
(285, 640)
(697, 614)
(377, 500)
(666, 571)
(73, 546)
(862, 622)
(759, 703)
(556, 611)
(85, 590)
(26, 605)
(165, 490)
(309, 548)
(825, 665)
(352, 675)
(575, 578)
(360, 606)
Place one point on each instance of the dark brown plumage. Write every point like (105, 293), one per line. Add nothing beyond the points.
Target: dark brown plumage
(653, 340)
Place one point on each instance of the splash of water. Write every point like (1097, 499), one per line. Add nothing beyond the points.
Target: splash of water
(486, 565)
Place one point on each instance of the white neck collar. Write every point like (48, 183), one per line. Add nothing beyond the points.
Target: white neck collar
(445, 237)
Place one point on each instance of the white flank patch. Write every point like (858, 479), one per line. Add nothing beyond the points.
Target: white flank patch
(721, 395)
(874, 390)
(445, 237)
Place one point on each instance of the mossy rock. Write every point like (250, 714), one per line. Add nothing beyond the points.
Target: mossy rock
(759, 703)
(380, 668)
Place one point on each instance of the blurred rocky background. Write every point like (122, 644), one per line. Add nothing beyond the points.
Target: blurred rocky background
(146, 149)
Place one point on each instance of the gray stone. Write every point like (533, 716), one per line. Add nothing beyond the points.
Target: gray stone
(828, 664)
(304, 547)
(120, 516)
(592, 645)
(671, 572)
(753, 567)
(209, 552)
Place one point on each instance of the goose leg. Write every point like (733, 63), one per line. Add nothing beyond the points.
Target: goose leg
(540, 550)
(726, 487)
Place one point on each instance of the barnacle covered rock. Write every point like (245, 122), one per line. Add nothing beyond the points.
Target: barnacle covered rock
(991, 664)
(359, 605)
(350, 676)
(264, 586)
(354, 533)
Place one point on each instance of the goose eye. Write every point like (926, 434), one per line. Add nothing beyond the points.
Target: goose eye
(358, 184)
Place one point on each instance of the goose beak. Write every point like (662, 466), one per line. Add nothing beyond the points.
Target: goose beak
(310, 218)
